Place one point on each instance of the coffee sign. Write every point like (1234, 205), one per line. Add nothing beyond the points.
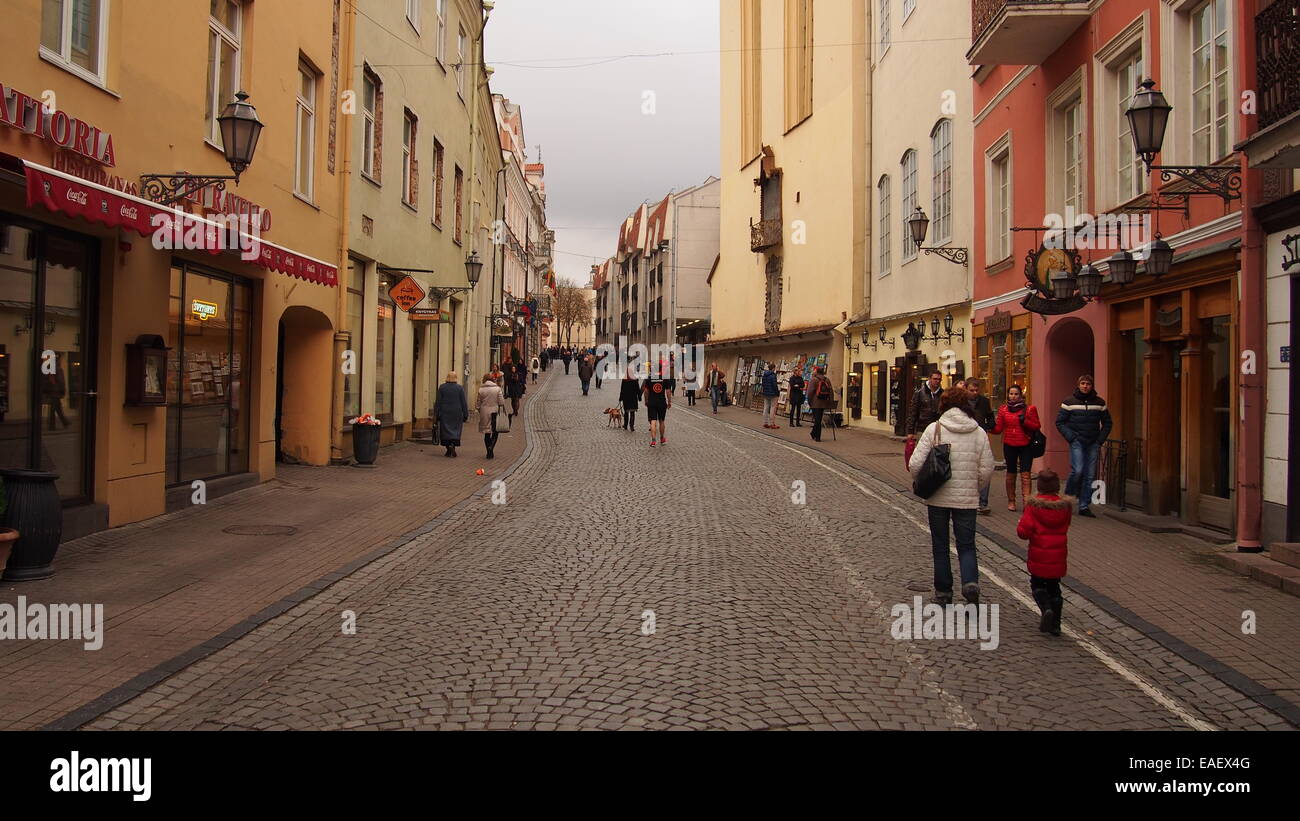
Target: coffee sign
(407, 293)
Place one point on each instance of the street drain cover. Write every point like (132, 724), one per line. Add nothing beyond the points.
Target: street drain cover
(260, 530)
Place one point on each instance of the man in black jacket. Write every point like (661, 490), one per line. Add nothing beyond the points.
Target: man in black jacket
(1085, 423)
(925, 406)
(982, 411)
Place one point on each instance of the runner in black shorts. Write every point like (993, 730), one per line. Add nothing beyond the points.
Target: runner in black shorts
(658, 399)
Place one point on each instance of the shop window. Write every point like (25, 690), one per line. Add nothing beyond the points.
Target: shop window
(72, 34)
(225, 26)
(207, 391)
(356, 303)
(1002, 360)
(385, 319)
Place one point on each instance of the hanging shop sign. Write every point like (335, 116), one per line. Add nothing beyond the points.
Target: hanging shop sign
(504, 328)
(429, 315)
(203, 310)
(30, 115)
(999, 322)
(407, 293)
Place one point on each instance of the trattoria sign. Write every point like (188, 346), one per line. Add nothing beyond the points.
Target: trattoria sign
(29, 114)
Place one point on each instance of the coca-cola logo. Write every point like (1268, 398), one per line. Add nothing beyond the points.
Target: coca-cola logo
(130, 212)
(78, 197)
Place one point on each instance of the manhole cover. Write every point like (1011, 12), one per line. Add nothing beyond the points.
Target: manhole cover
(260, 530)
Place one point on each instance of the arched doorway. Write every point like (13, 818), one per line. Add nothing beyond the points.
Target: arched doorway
(1070, 354)
(304, 387)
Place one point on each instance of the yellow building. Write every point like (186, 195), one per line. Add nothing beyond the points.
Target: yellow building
(791, 265)
(96, 96)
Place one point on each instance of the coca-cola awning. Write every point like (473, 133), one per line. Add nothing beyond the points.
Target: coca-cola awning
(93, 202)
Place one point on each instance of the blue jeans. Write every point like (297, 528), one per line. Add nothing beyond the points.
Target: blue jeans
(984, 495)
(586, 383)
(1083, 469)
(963, 526)
(713, 397)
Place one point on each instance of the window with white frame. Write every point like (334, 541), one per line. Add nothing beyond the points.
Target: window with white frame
(886, 218)
(909, 6)
(408, 158)
(884, 25)
(225, 24)
(370, 94)
(460, 60)
(1130, 178)
(999, 210)
(908, 202)
(1072, 145)
(440, 48)
(1211, 82)
(941, 183)
(305, 123)
(72, 32)
(413, 13)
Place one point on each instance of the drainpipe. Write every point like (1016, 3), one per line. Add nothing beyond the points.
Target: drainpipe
(343, 339)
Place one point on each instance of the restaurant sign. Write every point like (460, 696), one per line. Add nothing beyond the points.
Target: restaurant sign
(31, 115)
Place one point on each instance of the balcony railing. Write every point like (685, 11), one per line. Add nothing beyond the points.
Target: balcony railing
(1277, 72)
(1021, 32)
(764, 234)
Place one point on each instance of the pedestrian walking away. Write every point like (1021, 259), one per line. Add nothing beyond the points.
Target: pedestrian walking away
(566, 357)
(599, 369)
(658, 399)
(770, 394)
(1018, 422)
(537, 367)
(585, 370)
(821, 395)
(714, 384)
(796, 400)
(1085, 423)
(957, 499)
(451, 411)
(1045, 522)
(516, 386)
(629, 394)
(490, 403)
(981, 410)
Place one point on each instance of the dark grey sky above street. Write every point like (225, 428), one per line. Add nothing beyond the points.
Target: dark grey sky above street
(583, 100)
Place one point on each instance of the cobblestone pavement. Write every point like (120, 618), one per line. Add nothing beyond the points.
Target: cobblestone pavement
(767, 614)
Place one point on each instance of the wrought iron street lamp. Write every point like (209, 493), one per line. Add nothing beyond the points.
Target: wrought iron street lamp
(473, 269)
(240, 129)
(1122, 266)
(934, 329)
(1089, 281)
(948, 332)
(918, 223)
(912, 337)
(1148, 115)
(1160, 257)
(1063, 284)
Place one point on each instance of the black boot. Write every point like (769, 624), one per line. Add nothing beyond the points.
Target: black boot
(448, 453)
(1057, 604)
(488, 442)
(1044, 600)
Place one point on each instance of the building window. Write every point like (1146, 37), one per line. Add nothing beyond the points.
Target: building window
(460, 61)
(72, 32)
(1072, 146)
(440, 48)
(909, 202)
(798, 61)
(909, 6)
(999, 228)
(1002, 360)
(410, 165)
(385, 318)
(1129, 179)
(460, 197)
(224, 27)
(413, 13)
(884, 26)
(751, 85)
(303, 176)
(437, 183)
(356, 302)
(886, 219)
(941, 183)
(1211, 83)
(372, 92)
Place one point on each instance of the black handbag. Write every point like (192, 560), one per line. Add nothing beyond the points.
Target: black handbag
(936, 470)
(1037, 439)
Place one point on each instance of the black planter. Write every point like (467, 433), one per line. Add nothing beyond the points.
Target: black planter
(365, 443)
(35, 511)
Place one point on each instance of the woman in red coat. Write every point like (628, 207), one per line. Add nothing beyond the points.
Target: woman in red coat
(1045, 522)
(1017, 421)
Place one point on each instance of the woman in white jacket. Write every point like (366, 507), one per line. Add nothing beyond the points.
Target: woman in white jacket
(959, 498)
(490, 403)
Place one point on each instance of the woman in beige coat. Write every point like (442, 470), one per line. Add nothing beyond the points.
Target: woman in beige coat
(490, 403)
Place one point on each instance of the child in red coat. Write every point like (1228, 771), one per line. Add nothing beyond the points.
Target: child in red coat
(1045, 522)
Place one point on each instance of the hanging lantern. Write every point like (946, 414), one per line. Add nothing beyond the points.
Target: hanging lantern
(1123, 267)
(1063, 283)
(1089, 281)
(1160, 257)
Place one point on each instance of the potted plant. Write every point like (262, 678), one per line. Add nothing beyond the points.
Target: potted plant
(365, 438)
(7, 534)
(33, 508)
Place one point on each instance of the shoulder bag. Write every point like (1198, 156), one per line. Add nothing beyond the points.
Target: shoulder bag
(937, 468)
(1037, 439)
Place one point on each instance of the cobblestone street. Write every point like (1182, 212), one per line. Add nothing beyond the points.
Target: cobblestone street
(767, 614)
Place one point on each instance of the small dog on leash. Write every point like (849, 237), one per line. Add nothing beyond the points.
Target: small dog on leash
(615, 417)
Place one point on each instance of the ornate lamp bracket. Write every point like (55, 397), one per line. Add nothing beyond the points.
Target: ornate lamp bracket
(169, 189)
(957, 256)
(1223, 181)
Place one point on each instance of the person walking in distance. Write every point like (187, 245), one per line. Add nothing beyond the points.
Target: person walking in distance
(598, 368)
(712, 383)
(925, 406)
(1045, 522)
(585, 370)
(537, 367)
(516, 385)
(629, 394)
(821, 395)
(770, 393)
(957, 499)
(1085, 423)
(566, 358)
(490, 403)
(670, 388)
(981, 410)
(1017, 421)
(658, 399)
(452, 412)
(796, 400)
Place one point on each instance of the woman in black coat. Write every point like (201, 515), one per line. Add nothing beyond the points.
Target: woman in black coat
(630, 395)
(452, 412)
(516, 385)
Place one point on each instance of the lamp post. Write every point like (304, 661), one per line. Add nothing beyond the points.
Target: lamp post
(918, 223)
(240, 130)
(1148, 115)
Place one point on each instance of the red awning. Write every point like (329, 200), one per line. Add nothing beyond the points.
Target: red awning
(93, 202)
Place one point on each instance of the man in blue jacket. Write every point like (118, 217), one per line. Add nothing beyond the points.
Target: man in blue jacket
(1085, 423)
(770, 392)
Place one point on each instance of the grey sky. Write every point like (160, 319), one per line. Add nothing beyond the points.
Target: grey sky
(604, 156)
